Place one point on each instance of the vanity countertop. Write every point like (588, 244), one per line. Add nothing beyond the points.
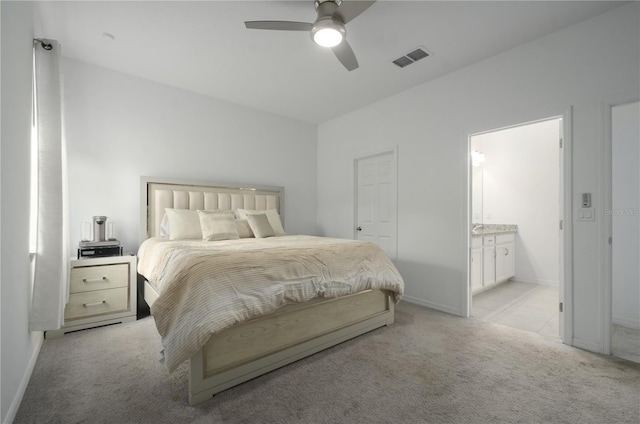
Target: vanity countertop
(480, 230)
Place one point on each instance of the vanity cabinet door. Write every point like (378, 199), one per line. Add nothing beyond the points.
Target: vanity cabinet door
(501, 259)
(505, 257)
(488, 266)
(505, 262)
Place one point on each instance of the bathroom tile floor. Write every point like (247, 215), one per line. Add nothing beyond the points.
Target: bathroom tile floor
(527, 306)
(534, 307)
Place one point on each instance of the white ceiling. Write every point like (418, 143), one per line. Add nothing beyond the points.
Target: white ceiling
(203, 46)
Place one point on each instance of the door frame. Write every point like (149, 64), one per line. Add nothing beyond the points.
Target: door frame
(565, 292)
(606, 223)
(367, 155)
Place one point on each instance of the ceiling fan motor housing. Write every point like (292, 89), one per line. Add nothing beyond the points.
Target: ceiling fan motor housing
(317, 3)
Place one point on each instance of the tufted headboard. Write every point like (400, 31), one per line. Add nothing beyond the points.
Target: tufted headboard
(156, 194)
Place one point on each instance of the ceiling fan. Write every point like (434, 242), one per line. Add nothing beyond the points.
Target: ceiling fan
(328, 30)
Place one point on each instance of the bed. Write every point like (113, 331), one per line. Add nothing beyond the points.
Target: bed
(210, 298)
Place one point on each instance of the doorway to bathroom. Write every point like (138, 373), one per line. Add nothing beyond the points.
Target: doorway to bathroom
(516, 210)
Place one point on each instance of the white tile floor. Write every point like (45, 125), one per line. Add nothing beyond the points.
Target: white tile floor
(527, 306)
(534, 307)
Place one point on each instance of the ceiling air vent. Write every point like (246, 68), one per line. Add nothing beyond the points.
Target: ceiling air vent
(411, 57)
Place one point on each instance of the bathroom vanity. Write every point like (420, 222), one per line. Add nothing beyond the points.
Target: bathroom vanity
(492, 255)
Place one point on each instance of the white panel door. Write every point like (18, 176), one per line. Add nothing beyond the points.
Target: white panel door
(376, 188)
(625, 220)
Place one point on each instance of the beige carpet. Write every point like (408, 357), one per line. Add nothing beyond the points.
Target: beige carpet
(429, 367)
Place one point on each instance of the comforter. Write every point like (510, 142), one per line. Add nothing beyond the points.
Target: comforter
(205, 287)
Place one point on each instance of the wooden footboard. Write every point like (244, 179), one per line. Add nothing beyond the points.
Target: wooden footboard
(255, 347)
(261, 345)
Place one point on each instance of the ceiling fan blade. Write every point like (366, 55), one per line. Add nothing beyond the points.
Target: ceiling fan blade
(349, 10)
(346, 56)
(279, 25)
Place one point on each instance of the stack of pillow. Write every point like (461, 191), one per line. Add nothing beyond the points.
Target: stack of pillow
(185, 224)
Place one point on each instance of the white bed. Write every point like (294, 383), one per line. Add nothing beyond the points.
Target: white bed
(274, 333)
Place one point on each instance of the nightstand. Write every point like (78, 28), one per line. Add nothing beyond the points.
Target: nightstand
(102, 291)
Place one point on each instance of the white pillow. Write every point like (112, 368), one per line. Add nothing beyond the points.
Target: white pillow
(260, 226)
(218, 225)
(272, 216)
(164, 226)
(244, 230)
(183, 224)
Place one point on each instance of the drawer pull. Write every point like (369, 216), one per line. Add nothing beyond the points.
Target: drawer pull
(86, 305)
(94, 280)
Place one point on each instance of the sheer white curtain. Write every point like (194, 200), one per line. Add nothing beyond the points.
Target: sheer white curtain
(50, 292)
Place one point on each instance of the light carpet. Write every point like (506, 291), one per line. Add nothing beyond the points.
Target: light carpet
(429, 367)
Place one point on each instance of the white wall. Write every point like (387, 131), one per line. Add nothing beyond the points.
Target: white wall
(625, 215)
(521, 179)
(19, 347)
(578, 67)
(121, 127)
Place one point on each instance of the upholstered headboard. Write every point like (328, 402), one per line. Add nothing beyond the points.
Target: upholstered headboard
(156, 194)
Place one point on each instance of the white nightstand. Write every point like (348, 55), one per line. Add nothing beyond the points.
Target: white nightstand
(101, 291)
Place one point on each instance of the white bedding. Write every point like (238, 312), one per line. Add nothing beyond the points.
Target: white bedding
(206, 287)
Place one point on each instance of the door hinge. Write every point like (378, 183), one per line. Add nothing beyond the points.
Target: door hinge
(560, 143)
(610, 241)
(561, 224)
(561, 307)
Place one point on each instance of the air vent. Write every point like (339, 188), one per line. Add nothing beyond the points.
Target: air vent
(403, 61)
(417, 54)
(411, 57)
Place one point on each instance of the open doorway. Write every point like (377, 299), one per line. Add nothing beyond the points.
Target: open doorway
(516, 240)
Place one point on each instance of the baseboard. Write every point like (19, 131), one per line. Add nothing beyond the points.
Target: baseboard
(626, 321)
(22, 388)
(431, 305)
(553, 283)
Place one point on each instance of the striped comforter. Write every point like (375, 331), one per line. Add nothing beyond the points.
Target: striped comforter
(206, 287)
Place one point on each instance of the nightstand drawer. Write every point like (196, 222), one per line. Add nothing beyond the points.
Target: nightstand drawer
(82, 305)
(89, 278)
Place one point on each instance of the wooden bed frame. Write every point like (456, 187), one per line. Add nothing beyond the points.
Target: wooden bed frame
(255, 347)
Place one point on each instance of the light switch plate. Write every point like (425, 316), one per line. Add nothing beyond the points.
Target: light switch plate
(586, 214)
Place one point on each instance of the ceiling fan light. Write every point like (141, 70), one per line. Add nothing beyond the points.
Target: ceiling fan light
(328, 32)
(328, 37)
